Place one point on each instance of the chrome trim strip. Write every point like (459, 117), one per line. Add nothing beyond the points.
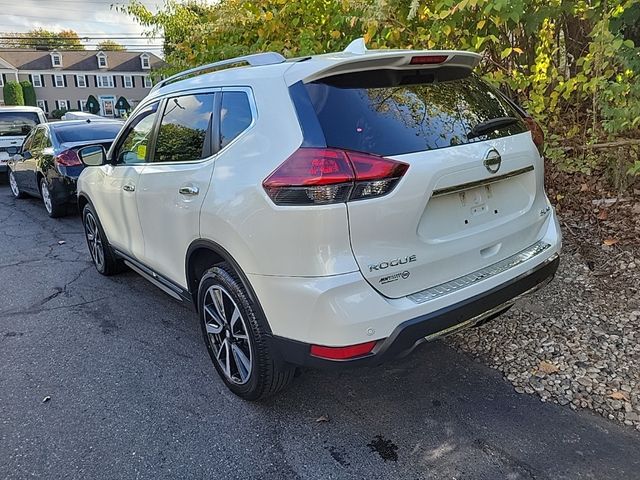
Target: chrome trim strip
(472, 278)
(478, 183)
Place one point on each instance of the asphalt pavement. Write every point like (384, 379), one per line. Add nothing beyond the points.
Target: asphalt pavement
(109, 378)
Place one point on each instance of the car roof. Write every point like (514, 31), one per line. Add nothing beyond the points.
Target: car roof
(355, 57)
(80, 123)
(19, 108)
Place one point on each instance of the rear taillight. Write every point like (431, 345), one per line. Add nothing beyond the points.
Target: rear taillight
(67, 158)
(320, 176)
(536, 133)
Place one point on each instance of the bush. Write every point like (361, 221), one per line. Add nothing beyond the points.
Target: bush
(28, 93)
(58, 113)
(13, 94)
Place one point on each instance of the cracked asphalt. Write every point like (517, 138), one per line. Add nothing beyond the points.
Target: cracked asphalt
(132, 393)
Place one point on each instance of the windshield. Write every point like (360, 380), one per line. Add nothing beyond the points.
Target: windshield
(15, 124)
(87, 132)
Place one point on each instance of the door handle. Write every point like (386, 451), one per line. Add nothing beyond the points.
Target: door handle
(189, 190)
(129, 188)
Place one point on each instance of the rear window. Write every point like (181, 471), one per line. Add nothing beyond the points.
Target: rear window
(393, 113)
(13, 124)
(86, 132)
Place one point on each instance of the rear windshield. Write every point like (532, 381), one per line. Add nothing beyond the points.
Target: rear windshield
(391, 113)
(87, 132)
(17, 123)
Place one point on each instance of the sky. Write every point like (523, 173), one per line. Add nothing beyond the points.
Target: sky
(86, 17)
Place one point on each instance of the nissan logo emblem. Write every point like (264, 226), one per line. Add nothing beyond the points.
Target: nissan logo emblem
(492, 161)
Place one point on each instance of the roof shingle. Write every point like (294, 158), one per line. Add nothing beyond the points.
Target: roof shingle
(83, 60)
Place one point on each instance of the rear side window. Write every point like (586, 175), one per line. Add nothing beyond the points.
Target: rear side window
(413, 113)
(86, 132)
(185, 130)
(235, 116)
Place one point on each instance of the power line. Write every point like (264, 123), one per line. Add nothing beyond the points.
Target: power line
(80, 37)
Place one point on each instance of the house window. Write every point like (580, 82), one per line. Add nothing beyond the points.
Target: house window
(1, 80)
(105, 81)
(144, 59)
(81, 80)
(36, 80)
(83, 105)
(147, 82)
(102, 60)
(128, 81)
(59, 81)
(42, 105)
(62, 104)
(56, 60)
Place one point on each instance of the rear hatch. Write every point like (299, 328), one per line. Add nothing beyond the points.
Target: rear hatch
(473, 193)
(14, 127)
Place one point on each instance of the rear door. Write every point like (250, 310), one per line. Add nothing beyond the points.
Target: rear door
(472, 194)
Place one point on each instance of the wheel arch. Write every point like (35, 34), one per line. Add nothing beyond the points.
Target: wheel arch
(203, 254)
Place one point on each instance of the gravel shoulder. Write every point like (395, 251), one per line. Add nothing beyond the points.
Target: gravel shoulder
(577, 341)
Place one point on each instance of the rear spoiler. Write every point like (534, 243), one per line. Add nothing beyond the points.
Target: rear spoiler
(356, 58)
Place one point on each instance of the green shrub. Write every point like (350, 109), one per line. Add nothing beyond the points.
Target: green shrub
(12, 93)
(29, 93)
(58, 113)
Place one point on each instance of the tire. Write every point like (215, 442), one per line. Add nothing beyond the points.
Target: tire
(245, 364)
(53, 208)
(17, 193)
(102, 255)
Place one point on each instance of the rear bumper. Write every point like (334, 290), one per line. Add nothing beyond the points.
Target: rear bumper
(63, 189)
(407, 335)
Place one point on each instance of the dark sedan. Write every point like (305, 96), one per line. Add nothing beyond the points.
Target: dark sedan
(48, 165)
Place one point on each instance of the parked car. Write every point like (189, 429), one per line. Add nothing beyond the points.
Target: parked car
(48, 165)
(15, 125)
(329, 211)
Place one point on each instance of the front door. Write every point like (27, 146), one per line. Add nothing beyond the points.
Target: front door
(174, 183)
(115, 201)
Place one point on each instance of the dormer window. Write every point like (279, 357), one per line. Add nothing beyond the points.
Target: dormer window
(144, 60)
(102, 60)
(56, 60)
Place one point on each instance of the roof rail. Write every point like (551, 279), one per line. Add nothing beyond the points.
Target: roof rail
(254, 60)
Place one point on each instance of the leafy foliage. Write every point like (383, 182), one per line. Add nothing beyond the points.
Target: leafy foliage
(44, 39)
(28, 93)
(13, 94)
(575, 65)
(110, 46)
(93, 106)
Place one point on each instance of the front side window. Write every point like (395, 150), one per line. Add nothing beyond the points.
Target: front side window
(133, 147)
(184, 133)
(235, 116)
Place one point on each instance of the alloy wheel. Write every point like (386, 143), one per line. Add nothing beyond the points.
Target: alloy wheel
(46, 196)
(228, 335)
(13, 184)
(93, 240)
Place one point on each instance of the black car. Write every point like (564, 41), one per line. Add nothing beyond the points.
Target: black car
(48, 165)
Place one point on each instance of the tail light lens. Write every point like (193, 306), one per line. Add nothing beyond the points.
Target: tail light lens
(68, 158)
(536, 133)
(320, 176)
(427, 59)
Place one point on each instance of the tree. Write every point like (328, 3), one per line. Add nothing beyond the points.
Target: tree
(110, 46)
(12, 93)
(44, 39)
(93, 106)
(29, 93)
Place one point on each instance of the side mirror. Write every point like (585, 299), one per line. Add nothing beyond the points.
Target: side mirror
(26, 155)
(93, 155)
(12, 150)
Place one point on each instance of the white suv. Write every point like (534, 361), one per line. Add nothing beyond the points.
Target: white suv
(332, 210)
